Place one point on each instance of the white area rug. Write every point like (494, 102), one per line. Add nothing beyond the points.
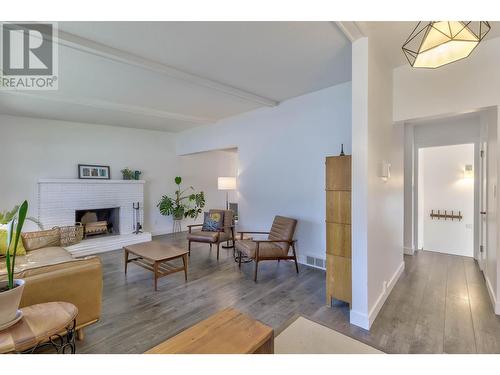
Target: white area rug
(304, 336)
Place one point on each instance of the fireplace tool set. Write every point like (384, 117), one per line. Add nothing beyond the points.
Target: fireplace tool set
(137, 218)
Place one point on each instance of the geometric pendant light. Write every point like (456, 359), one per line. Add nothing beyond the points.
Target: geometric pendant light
(438, 43)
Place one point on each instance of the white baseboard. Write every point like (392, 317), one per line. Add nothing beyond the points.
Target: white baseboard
(491, 292)
(160, 232)
(364, 320)
(408, 250)
(359, 319)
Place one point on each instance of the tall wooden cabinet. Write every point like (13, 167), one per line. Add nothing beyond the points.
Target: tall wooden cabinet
(338, 229)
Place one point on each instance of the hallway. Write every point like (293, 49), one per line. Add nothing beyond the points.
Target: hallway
(439, 305)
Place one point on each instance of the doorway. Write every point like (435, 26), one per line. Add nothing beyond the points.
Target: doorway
(446, 196)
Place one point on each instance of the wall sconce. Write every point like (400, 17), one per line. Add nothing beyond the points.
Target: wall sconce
(384, 171)
(468, 172)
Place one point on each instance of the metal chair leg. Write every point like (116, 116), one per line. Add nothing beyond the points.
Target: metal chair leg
(295, 258)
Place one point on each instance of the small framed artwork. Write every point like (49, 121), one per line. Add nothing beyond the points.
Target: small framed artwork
(93, 172)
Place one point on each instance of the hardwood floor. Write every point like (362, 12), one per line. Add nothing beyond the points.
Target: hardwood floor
(440, 304)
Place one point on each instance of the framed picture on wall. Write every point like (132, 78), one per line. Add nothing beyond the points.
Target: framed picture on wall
(94, 172)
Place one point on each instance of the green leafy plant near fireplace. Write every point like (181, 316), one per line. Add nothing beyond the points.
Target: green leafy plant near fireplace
(185, 203)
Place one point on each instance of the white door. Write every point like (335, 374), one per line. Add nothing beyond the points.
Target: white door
(483, 225)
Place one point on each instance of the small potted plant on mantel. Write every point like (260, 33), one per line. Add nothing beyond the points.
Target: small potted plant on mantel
(129, 174)
(11, 290)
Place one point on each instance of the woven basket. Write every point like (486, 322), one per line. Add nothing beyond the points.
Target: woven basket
(39, 239)
(71, 235)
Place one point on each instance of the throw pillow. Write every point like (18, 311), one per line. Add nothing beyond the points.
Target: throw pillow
(212, 222)
(3, 245)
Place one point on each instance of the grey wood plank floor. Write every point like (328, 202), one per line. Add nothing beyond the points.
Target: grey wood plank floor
(440, 304)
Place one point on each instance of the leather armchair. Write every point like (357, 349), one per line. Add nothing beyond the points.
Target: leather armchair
(275, 247)
(226, 233)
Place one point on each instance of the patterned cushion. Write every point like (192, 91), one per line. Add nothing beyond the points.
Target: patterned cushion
(213, 221)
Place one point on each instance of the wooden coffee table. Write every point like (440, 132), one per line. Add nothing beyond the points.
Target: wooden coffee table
(227, 332)
(154, 256)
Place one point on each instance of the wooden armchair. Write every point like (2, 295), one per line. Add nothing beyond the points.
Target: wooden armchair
(224, 234)
(275, 247)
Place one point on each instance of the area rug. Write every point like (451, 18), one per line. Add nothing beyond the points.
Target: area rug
(304, 336)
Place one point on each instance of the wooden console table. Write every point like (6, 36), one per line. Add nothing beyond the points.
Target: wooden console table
(227, 332)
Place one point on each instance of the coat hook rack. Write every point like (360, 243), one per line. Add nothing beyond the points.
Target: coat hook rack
(446, 215)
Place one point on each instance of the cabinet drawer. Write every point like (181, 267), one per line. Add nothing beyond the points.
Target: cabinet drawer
(338, 278)
(338, 207)
(338, 173)
(338, 239)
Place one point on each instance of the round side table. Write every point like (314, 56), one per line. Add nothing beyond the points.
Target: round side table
(244, 258)
(43, 325)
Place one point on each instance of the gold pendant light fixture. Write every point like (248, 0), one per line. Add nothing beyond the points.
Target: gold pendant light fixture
(438, 43)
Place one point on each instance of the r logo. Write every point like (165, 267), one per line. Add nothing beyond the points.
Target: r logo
(27, 49)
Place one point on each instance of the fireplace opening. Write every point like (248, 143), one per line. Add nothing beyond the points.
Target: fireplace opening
(99, 222)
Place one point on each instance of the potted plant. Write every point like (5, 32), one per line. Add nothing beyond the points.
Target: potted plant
(12, 289)
(185, 203)
(128, 174)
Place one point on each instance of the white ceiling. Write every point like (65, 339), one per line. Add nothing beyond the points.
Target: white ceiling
(175, 75)
(390, 37)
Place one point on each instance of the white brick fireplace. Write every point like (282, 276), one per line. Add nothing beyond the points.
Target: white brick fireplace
(58, 201)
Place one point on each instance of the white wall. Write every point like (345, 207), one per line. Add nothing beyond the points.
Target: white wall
(489, 122)
(461, 87)
(281, 159)
(452, 130)
(377, 226)
(420, 198)
(445, 188)
(33, 149)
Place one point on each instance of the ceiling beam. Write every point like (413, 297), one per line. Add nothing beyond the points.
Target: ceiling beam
(350, 29)
(111, 53)
(110, 106)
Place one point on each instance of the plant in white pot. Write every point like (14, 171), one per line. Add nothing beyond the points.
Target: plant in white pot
(11, 290)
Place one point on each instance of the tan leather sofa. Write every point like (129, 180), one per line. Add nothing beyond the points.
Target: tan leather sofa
(52, 274)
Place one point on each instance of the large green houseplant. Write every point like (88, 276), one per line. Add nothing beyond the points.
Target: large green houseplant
(185, 203)
(11, 290)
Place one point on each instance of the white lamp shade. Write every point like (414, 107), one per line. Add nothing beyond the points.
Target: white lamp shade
(226, 183)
